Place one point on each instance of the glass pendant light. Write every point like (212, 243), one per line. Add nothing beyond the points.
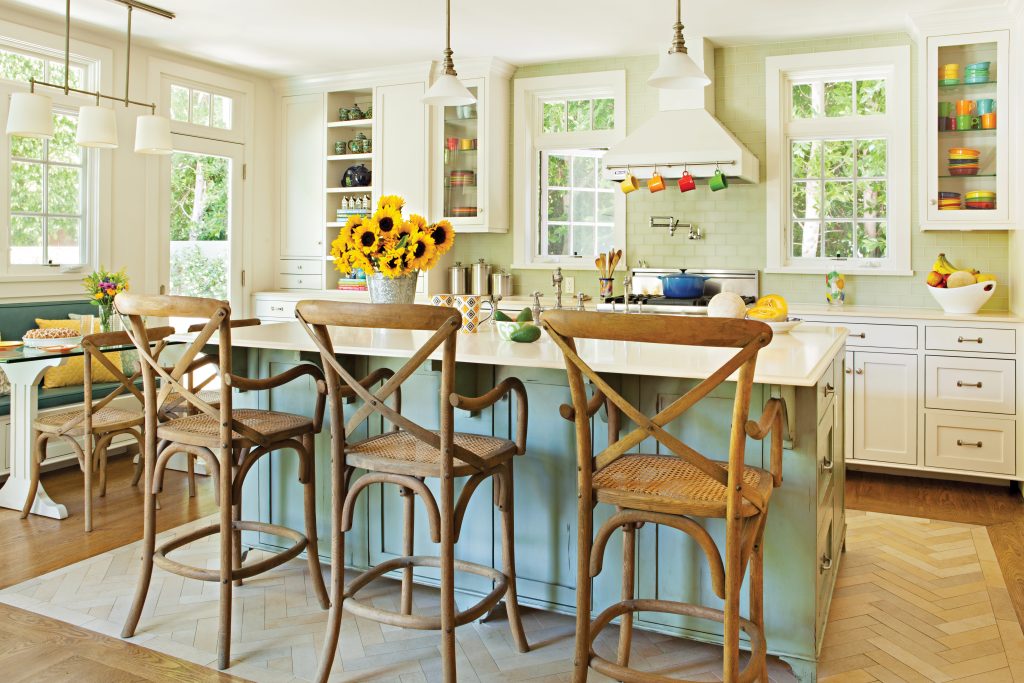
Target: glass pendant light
(30, 116)
(448, 90)
(676, 70)
(97, 127)
(153, 135)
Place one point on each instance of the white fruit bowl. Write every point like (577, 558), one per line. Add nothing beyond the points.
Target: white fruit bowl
(963, 300)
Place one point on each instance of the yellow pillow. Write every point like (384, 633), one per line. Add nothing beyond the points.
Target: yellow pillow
(72, 373)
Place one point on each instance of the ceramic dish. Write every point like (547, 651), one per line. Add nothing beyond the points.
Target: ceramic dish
(963, 300)
(49, 344)
(963, 171)
(966, 151)
(784, 326)
(507, 328)
(984, 206)
(10, 344)
(949, 81)
(980, 194)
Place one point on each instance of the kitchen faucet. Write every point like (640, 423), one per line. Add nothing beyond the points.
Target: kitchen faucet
(556, 280)
(536, 309)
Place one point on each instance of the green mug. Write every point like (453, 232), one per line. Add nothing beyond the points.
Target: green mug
(967, 122)
(718, 182)
(945, 109)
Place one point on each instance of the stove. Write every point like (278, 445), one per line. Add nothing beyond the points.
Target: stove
(647, 294)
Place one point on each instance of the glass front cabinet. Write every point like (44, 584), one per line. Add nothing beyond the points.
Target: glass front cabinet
(470, 159)
(967, 145)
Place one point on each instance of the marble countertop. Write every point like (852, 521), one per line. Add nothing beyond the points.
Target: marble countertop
(799, 358)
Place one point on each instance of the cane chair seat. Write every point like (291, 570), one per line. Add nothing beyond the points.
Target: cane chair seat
(204, 430)
(103, 420)
(402, 453)
(666, 483)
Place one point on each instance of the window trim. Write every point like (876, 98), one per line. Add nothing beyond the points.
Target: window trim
(894, 64)
(529, 142)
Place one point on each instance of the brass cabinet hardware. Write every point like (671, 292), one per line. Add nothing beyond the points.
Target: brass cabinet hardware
(960, 442)
(961, 383)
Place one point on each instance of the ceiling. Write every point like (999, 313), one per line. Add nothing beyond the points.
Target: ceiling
(300, 37)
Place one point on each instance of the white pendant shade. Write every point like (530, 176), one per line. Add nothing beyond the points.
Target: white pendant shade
(31, 115)
(153, 135)
(676, 71)
(448, 90)
(97, 127)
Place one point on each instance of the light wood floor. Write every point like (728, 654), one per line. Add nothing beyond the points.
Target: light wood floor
(35, 546)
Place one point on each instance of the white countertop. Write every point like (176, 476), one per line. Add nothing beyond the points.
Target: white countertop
(798, 359)
(799, 310)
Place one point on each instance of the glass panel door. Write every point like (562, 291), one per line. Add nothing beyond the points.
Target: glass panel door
(462, 180)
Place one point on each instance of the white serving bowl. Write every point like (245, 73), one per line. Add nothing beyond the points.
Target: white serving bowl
(963, 300)
(41, 343)
(783, 326)
(506, 328)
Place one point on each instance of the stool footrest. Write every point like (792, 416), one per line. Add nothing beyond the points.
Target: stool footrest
(627, 675)
(161, 560)
(415, 621)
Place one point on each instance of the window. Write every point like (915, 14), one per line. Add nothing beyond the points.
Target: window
(200, 108)
(839, 161)
(20, 66)
(567, 212)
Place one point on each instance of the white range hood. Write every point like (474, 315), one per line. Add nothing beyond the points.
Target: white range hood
(684, 135)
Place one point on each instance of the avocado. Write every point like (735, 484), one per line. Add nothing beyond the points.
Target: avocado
(525, 316)
(526, 334)
(501, 317)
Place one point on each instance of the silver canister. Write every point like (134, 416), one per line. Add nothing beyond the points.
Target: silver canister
(457, 278)
(480, 278)
(501, 285)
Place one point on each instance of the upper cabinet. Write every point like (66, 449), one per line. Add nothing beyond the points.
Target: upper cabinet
(969, 111)
(301, 154)
(469, 175)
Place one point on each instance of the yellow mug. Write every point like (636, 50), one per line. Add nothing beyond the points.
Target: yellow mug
(629, 184)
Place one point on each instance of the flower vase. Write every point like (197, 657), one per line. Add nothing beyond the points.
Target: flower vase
(107, 317)
(388, 290)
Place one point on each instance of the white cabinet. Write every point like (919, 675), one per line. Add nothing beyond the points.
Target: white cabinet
(885, 407)
(401, 144)
(970, 443)
(302, 182)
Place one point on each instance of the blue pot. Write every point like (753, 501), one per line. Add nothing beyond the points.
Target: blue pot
(682, 286)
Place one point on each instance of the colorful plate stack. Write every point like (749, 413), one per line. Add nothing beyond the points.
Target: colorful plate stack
(949, 74)
(463, 211)
(976, 73)
(463, 178)
(981, 199)
(963, 161)
(949, 201)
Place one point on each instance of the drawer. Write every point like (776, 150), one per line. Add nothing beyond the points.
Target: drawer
(269, 308)
(287, 281)
(970, 443)
(986, 385)
(826, 459)
(825, 567)
(891, 336)
(985, 339)
(300, 266)
(826, 390)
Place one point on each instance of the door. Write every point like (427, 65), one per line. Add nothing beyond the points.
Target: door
(201, 220)
(885, 407)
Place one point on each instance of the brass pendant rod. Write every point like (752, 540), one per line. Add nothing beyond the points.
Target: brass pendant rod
(449, 64)
(678, 42)
(146, 8)
(128, 57)
(67, 45)
(92, 93)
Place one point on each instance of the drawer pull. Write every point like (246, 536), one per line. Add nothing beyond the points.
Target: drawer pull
(826, 563)
(961, 442)
(860, 371)
(961, 383)
(862, 335)
(828, 465)
(964, 340)
(848, 371)
(277, 308)
(829, 389)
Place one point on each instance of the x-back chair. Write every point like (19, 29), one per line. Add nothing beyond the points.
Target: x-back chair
(229, 441)
(407, 456)
(674, 490)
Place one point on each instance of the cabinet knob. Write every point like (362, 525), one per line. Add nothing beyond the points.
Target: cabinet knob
(861, 335)
(860, 371)
(933, 202)
(829, 389)
(974, 444)
(848, 371)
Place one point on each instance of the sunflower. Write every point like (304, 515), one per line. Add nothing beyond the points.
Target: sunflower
(443, 235)
(354, 222)
(366, 236)
(391, 201)
(421, 250)
(406, 229)
(387, 219)
(419, 221)
(358, 261)
(394, 263)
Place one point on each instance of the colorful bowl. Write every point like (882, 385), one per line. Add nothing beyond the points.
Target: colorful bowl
(964, 150)
(978, 193)
(949, 195)
(983, 206)
(979, 66)
(949, 81)
(963, 171)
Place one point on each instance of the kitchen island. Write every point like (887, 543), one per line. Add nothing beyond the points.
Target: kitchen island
(805, 532)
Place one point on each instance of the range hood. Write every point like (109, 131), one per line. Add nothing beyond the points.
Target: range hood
(683, 136)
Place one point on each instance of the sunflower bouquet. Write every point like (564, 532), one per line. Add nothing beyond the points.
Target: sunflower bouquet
(390, 244)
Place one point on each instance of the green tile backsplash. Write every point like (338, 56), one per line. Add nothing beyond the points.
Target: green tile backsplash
(733, 221)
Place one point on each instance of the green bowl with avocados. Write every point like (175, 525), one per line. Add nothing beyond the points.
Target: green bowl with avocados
(522, 329)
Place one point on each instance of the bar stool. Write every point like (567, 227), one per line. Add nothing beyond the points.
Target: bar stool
(97, 423)
(407, 456)
(671, 490)
(230, 442)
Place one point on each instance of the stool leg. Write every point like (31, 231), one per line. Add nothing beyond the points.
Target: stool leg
(508, 554)
(236, 516)
(137, 475)
(148, 541)
(733, 579)
(338, 495)
(309, 505)
(88, 460)
(447, 576)
(408, 500)
(584, 546)
(191, 475)
(226, 559)
(626, 620)
(101, 455)
(38, 451)
(757, 598)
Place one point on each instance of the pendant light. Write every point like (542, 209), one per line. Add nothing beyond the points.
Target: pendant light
(153, 135)
(448, 90)
(676, 70)
(97, 127)
(30, 115)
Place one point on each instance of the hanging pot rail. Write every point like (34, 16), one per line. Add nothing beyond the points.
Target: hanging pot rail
(612, 167)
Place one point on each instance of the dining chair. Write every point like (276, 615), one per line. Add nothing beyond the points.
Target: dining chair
(96, 422)
(406, 456)
(677, 490)
(229, 441)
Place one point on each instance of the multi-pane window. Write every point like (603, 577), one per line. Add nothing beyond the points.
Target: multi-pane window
(200, 107)
(578, 206)
(18, 66)
(577, 115)
(47, 197)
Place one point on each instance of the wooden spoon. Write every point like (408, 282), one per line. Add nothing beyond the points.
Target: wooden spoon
(614, 258)
(602, 265)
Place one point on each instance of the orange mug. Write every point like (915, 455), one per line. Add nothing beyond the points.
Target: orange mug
(988, 121)
(656, 183)
(964, 107)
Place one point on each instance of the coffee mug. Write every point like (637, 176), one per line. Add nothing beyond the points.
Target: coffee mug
(988, 121)
(451, 144)
(469, 306)
(443, 300)
(718, 182)
(964, 107)
(656, 183)
(986, 106)
(944, 123)
(967, 122)
(686, 182)
(466, 144)
(945, 108)
(629, 183)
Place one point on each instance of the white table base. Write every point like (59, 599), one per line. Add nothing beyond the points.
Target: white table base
(24, 378)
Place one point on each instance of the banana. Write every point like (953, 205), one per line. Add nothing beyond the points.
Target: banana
(943, 266)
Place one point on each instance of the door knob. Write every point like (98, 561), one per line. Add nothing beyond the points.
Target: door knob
(860, 371)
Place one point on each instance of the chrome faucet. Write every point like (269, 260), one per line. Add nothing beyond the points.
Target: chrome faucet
(627, 288)
(556, 280)
(579, 302)
(536, 309)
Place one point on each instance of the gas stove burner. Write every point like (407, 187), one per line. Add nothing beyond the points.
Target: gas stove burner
(646, 281)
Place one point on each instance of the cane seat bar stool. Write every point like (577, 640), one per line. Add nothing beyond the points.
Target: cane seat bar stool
(230, 441)
(97, 423)
(406, 456)
(674, 490)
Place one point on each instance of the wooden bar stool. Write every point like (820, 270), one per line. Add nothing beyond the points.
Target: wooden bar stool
(671, 490)
(230, 442)
(97, 423)
(406, 457)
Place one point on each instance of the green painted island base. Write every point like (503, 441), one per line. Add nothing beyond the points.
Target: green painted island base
(803, 540)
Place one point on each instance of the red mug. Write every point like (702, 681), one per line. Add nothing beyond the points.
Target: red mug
(686, 182)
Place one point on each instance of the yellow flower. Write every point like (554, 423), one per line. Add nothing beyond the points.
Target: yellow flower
(421, 250)
(443, 235)
(366, 236)
(98, 295)
(406, 229)
(387, 220)
(391, 201)
(394, 263)
(419, 221)
(359, 261)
